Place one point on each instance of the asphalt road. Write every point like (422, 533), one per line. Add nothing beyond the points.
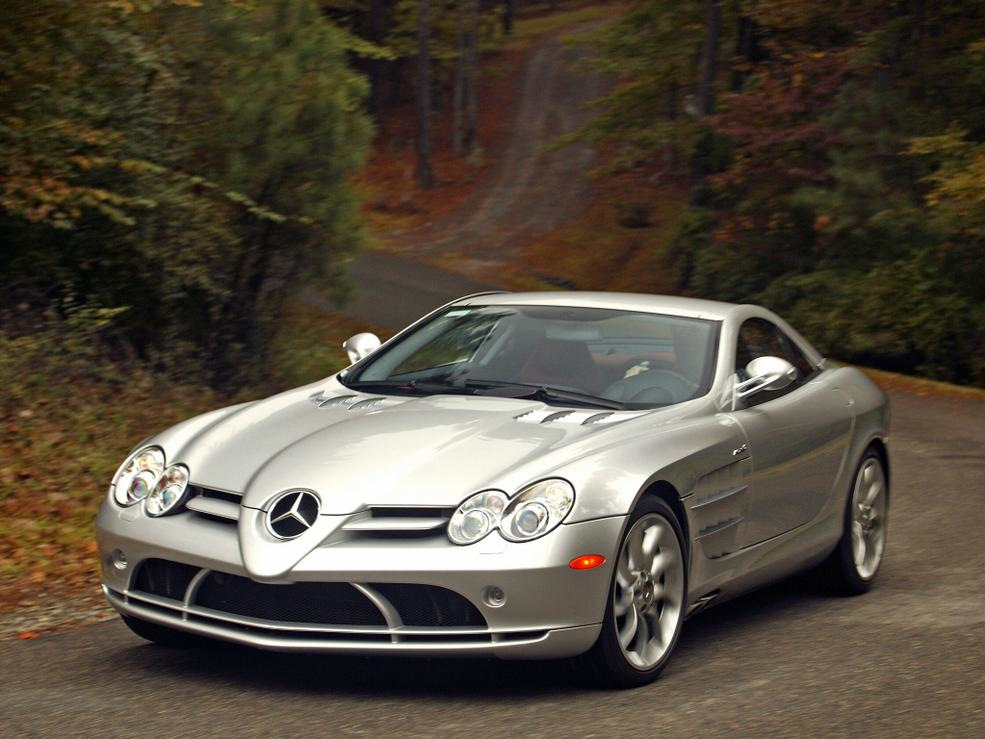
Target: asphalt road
(391, 291)
(907, 658)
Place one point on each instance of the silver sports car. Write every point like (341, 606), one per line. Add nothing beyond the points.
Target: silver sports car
(531, 475)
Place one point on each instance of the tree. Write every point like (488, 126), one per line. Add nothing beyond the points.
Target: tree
(177, 166)
(838, 176)
(651, 52)
(425, 176)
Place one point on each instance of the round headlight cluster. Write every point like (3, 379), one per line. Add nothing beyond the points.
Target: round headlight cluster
(537, 510)
(168, 491)
(138, 475)
(144, 477)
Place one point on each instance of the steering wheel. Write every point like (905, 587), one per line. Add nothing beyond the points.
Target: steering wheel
(653, 386)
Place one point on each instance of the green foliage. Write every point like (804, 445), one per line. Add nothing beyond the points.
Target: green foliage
(184, 161)
(650, 51)
(851, 193)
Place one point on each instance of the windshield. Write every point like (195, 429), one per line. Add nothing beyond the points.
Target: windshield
(587, 356)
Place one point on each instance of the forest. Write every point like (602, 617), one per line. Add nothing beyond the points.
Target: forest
(201, 154)
(833, 159)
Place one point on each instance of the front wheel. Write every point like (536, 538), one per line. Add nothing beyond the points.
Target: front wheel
(853, 564)
(646, 603)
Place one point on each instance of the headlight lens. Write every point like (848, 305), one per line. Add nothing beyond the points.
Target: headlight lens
(138, 475)
(168, 492)
(536, 511)
(477, 516)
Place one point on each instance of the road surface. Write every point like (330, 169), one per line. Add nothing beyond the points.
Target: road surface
(531, 190)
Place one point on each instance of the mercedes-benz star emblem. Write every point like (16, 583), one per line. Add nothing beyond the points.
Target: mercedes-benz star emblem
(292, 513)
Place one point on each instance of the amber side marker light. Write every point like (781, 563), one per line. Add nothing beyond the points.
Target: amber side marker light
(586, 562)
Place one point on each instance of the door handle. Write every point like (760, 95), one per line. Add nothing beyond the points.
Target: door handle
(741, 450)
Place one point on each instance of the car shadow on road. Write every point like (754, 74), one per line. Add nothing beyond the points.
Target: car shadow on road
(403, 676)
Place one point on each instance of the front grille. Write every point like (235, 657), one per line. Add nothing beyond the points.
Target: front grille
(303, 602)
(163, 578)
(429, 605)
(318, 603)
(219, 506)
(216, 494)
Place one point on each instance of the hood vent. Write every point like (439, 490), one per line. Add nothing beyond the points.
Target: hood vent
(577, 418)
(354, 402)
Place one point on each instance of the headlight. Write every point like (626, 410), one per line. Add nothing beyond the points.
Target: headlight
(138, 475)
(536, 511)
(169, 491)
(477, 516)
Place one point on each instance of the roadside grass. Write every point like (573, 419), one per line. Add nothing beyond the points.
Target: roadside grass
(890, 381)
(539, 20)
(66, 424)
(596, 250)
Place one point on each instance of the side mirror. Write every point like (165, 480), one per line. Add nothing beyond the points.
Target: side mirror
(766, 373)
(360, 345)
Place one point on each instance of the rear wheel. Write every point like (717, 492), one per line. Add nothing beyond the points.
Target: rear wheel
(646, 602)
(853, 564)
(163, 635)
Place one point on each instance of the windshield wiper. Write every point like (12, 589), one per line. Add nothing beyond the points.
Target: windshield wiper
(545, 393)
(409, 387)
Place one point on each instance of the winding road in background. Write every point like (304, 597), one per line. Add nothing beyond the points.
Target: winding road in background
(907, 658)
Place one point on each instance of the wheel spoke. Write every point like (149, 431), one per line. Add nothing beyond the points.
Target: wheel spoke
(661, 563)
(622, 603)
(858, 544)
(628, 630)
(624, 574)
(651, 540)
(642, 635)
(873, 492)
(635, 545)
(657, 637)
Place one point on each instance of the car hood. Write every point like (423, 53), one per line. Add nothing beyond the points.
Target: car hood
(359, 450)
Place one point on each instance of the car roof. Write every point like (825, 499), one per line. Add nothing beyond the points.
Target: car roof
(665, 304)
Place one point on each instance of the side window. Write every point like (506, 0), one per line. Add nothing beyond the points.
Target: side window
(760, 338)
(798, 359)
(757, 338)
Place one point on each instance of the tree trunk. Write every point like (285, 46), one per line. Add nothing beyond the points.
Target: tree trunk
(377, 67)
(672, 105)
(706, 90)
(745, 49)
(709, 57)
(457, 102)
(471, 138)
(425, 177)
(508, 17)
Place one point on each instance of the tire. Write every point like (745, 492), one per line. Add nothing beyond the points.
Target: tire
(852, 566)
(652, 597)
(163, 635)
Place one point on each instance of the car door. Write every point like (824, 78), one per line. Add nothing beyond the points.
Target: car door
(798, 437)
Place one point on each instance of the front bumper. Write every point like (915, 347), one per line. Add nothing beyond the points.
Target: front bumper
(550, 610)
